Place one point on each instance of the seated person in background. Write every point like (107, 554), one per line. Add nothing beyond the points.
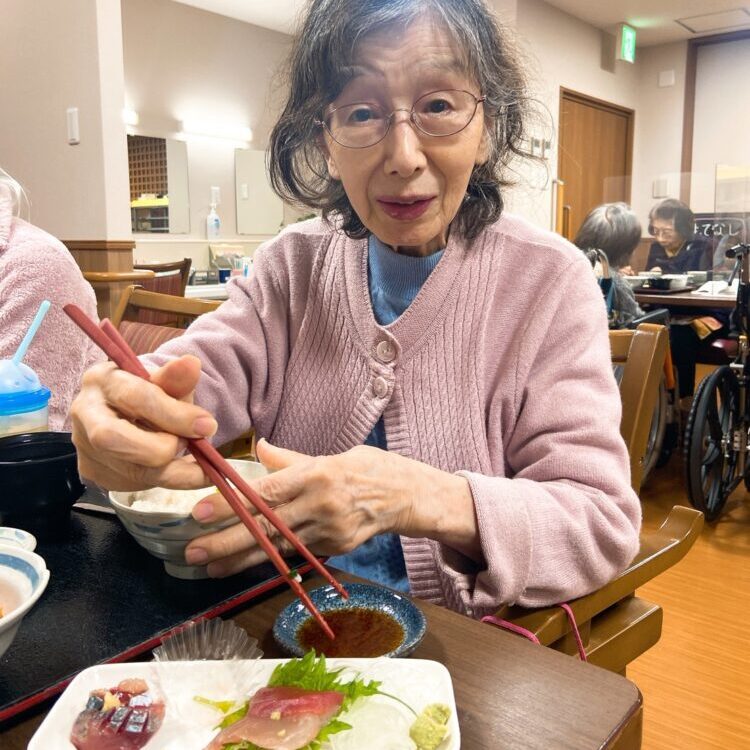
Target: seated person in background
(438, 421)
(614, 230)
(34, 266)
(677, 249)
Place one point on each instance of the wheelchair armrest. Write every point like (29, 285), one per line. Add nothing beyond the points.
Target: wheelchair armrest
(659, 551)
(660, 315)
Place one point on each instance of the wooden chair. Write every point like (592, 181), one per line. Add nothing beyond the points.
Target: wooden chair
(617, 626)
(146, 337)
(169, 278)
(109, 285)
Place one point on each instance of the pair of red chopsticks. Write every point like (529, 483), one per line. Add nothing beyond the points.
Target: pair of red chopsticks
(108, 338)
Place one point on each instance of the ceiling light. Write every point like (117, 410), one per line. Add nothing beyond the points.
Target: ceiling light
(130, 117)
(217, 129)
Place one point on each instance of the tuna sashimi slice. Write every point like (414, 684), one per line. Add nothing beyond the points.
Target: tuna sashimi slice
(282, 719)
(291, 701)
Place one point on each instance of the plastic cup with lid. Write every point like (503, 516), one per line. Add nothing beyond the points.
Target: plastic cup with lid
(24, 401)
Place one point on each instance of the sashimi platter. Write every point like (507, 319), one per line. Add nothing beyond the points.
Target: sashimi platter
(309, 703)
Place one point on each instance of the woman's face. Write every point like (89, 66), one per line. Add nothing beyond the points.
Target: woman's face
(666, 235)
(408, 188)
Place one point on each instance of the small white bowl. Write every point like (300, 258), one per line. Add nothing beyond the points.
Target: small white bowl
(17, 538)
(23, 578)
(165, 534)
(635, 281)
(676, 280)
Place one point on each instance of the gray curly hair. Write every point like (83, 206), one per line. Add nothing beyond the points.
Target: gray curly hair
(325, 49)
(612, 228)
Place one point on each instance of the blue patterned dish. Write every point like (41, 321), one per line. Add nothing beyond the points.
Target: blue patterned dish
(361, 595)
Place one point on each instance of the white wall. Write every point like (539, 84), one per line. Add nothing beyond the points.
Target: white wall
(182, 62)
(53, 56)
(657, 152)
(562, 51)
(721, 133)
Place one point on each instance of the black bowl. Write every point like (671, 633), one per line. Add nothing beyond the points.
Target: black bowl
(38, 482)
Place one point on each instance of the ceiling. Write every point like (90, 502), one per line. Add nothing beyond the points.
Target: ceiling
(657, 21)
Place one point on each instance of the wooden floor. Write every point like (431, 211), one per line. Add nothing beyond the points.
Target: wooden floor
(696, 680)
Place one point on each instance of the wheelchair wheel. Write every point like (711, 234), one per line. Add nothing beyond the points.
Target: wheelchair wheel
(710, 456)
(656, 431)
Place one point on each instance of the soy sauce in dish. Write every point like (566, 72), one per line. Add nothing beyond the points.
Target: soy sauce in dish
(359, 632)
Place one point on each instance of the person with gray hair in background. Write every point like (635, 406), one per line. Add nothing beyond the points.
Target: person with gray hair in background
(613, 229)
(35, 266)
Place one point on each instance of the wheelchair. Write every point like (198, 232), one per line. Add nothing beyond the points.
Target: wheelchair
(716, 436)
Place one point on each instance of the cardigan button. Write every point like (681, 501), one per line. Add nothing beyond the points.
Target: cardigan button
(385, 351)
(380, 387)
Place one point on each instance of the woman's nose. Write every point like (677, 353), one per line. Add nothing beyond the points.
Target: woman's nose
(404, 154)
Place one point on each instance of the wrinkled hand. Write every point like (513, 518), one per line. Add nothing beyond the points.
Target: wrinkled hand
(627, 270)
(115, 450)
(333, 503)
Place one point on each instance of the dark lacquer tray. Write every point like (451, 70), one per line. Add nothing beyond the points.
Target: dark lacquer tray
(650, 290)
(107, 600)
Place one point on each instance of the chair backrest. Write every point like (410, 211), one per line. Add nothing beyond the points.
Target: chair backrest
(641, 354)
(169, 278)
(146, 337)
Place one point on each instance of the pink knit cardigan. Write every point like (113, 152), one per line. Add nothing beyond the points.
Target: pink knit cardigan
(500, 370)
(34, 266)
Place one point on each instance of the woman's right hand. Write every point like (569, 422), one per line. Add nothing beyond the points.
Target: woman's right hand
(129, 433)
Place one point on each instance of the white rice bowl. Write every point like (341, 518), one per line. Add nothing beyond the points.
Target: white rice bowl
(163, 500)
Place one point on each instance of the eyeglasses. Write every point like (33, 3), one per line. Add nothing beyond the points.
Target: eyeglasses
(438, 114)
(662, 231)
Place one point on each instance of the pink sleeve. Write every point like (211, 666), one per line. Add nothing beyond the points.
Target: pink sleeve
(244, 347)
(60, 352)
(563, 520)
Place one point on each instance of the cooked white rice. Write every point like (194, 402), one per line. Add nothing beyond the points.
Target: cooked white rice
(161, 500)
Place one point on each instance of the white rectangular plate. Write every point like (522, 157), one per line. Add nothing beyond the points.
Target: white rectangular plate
(378, 722)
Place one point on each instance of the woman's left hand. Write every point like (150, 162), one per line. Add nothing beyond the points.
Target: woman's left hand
(333, 504)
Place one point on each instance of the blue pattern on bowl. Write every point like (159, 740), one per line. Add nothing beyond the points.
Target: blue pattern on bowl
(361, 595)
(23, 567)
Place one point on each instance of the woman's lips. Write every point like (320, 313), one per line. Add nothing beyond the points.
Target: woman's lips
(405, 209)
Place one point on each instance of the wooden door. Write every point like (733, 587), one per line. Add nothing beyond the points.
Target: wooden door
(595, 156)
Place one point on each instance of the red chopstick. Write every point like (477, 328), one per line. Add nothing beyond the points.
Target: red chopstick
(215, 466)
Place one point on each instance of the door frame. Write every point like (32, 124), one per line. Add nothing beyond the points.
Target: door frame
(591, 101)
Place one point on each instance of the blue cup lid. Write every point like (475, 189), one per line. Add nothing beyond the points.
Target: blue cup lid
(20, 403)
(20, 389)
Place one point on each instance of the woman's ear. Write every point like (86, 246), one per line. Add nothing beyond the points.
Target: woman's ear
(483, 150)
(333, 170)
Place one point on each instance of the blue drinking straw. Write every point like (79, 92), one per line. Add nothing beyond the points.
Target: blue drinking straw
(33, 328)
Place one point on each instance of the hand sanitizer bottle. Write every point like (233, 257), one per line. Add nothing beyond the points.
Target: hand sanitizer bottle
(213, 223)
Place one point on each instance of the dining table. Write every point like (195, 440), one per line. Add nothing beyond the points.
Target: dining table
(685, 299)
(509, 692)
(206, 291)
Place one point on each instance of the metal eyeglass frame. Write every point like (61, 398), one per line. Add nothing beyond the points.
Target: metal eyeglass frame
(412, 118)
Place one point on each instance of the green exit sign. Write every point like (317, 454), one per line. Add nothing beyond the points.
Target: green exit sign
(626, 43)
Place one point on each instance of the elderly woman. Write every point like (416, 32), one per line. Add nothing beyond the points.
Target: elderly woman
(35, 266)
(614, 230)
(438, 421)
(677, 249)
